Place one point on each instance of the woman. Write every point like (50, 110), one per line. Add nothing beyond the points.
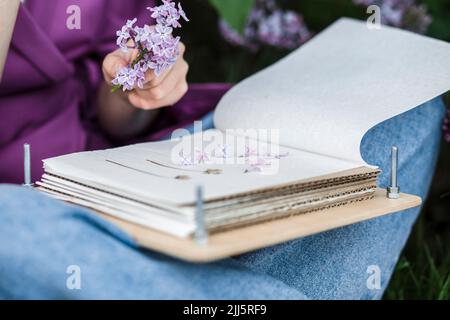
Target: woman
(52, 83)
(52, 95)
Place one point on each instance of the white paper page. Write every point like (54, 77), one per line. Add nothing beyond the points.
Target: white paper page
(156, 222)
(326, 95)
(127, 172)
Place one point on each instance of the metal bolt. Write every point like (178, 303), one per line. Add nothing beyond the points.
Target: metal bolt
(27, 166)
(201, 235)
(393, 191)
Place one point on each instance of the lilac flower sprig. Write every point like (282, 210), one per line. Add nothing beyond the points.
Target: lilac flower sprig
(157, 48)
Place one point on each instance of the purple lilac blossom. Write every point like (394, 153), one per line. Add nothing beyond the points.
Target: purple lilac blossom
(124, 35)
(404, 14)
(157, 47)
(129, 77)
(168, 15)
(268, 24)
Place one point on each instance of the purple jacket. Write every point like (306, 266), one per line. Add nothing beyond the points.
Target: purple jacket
(47, 95)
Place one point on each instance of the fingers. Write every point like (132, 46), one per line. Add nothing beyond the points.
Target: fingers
(152, 81)
(111, 64)
(164, 90)
(115, 61)
(163, 87)
(148, 104)
(159, 91)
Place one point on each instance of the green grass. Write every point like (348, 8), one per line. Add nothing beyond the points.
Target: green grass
(423, 271)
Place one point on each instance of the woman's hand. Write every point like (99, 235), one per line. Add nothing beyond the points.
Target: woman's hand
(127, 114)
(159, 91)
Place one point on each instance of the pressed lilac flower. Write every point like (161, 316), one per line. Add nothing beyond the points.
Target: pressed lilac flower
(253, 169)
(277, 155)
(185, 160)
(202, 157)
(257, 165)
(249, 152)
(158, 48)
(221, 151)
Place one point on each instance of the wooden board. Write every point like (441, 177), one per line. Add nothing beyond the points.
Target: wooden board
(237, 241)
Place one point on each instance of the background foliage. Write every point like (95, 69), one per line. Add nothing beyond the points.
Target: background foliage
(423, 269)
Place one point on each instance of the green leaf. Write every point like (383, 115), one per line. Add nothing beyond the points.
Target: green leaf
(235, 12)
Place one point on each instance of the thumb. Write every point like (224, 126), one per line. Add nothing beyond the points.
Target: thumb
(111, 64)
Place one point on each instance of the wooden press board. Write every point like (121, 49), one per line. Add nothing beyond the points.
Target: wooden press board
(241, 240)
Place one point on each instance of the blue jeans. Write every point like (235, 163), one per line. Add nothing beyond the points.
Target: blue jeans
(40, 238)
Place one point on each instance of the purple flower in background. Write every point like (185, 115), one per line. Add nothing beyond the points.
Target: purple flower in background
(231, 35)
(158, 48)
(268, 24)
(404, 14)
(446, 127)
